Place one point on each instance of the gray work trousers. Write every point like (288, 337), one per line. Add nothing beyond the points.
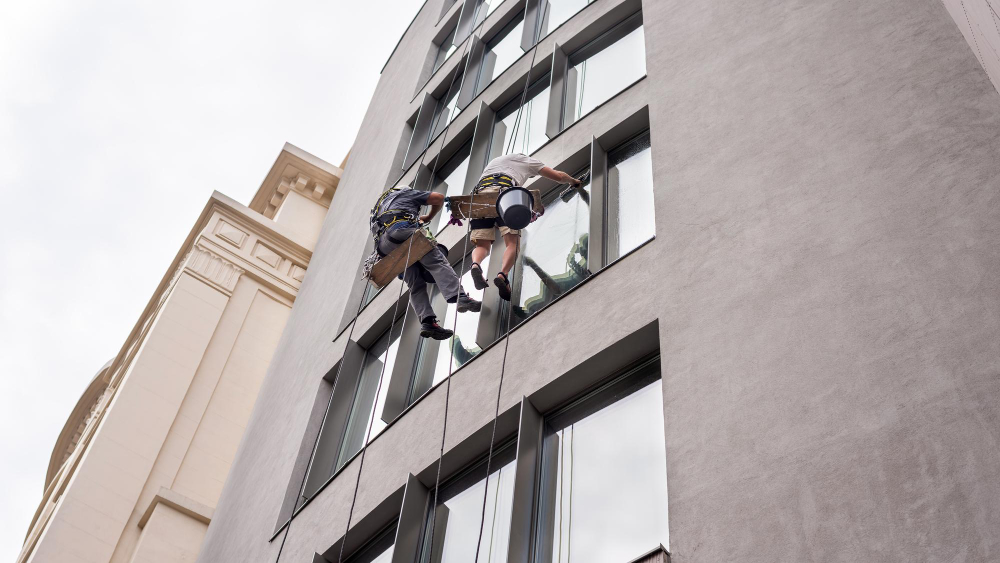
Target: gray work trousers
(436, 263)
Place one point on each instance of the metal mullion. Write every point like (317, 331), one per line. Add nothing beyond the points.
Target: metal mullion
(525, 495)
(412, 516)
(597, 256)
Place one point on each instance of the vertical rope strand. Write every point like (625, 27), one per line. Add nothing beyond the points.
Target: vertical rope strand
(510, 308)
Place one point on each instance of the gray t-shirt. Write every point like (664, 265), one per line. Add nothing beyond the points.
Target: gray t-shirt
(406, 199)
(518, 166)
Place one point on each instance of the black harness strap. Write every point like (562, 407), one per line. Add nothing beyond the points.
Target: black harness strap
(501, 181)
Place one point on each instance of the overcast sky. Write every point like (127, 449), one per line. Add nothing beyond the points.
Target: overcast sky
(117, 120)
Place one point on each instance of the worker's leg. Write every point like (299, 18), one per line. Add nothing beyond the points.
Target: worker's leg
(419, 298)
(510, 241)
(482, 236)
(444, 275)
(481, 251)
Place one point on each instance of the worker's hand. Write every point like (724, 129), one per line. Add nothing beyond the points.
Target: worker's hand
(426, 218)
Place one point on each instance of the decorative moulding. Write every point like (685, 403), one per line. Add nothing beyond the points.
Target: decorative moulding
(230, 233)
(213, 268)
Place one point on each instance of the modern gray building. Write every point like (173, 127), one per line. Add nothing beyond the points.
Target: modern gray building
(766, 329)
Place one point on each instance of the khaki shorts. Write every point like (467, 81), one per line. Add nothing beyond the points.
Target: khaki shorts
(489, 233)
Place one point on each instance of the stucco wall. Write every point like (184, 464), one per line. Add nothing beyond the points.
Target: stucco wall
(824, 278)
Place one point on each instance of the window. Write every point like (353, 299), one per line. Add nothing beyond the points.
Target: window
(501, 52)
(446, 110)
(630, 217)
(436, 356)
(597, 77)
(553, 254)
(531, 128)
(445, 49)
(377, 551)
(450, 180)
(370, 396)
(604, 476)
(558, 11)
(460, 512)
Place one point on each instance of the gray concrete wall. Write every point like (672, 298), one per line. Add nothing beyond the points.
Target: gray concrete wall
(825, 279)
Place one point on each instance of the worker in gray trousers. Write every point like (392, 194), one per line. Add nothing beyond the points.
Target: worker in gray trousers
(394, 219)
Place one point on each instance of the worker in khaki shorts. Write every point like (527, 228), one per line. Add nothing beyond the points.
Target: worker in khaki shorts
(503, 172)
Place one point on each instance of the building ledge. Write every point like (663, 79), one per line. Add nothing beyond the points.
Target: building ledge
(180, 503)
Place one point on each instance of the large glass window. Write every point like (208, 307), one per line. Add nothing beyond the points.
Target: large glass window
(558, 11)
(630, 215)
(530, 133)
(553, 255)
(501, 52)
(436, 356)
(450, 180)
(369, 397)
(604, 477)
(460, 512)
(597, 78)
(445, 49)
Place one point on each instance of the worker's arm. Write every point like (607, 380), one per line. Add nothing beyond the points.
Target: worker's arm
(435, 200)
(558, 176)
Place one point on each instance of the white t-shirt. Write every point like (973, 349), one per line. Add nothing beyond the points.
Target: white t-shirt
(518, 166)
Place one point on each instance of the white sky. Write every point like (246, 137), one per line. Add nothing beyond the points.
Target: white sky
(117, 120)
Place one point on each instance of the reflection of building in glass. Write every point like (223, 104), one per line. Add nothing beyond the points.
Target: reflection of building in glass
(773, 302)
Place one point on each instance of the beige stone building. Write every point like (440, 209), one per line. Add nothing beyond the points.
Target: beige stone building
(139, 466)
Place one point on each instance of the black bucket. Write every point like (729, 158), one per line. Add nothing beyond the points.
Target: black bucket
(514, 206)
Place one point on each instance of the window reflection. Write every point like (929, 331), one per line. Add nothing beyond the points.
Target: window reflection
(435, 356)
(460, 512)
(605, 482)
(630, 215)
(531, 129)
(554, 252)
(369, 397)
(500, 53)
(593, 81)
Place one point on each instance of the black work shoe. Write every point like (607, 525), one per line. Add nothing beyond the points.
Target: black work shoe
(466, 303)
(477, 277)
(503, 286)
(430, 329)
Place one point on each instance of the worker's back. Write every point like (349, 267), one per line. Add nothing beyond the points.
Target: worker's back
(520, 167)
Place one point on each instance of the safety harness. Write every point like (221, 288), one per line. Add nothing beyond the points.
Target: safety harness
(501, 181)
(381, 222)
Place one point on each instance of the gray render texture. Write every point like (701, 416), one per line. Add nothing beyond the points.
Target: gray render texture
(824, 288)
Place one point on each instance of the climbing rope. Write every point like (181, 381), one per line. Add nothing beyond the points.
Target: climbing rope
(364, 447)
(510, 309)
(430, 180)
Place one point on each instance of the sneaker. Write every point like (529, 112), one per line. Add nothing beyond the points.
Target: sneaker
(503, 286)
(466, 303)
(431, 329)
(477, 277)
